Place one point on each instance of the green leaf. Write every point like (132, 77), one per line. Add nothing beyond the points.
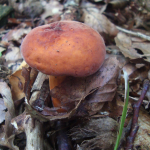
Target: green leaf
(5, 11)
(124, 113)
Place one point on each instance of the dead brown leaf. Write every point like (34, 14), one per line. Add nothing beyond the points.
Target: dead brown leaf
(52, 9)
(102, 86)
(4, 71)
(12, 57)
(7, 97)
(13, 21)
(7, 137)
(101, 133)
(17, 81)
(28, 7)
(17, 34)
(13, 54)
(142, 138)
(131, 49)
(2, 110)
(113, 108)
(92, 17)
(29, 75)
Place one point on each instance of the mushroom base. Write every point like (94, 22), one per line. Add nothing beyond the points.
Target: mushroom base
(53, 82)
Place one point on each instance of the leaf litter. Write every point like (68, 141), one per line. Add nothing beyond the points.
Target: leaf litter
(98, 99)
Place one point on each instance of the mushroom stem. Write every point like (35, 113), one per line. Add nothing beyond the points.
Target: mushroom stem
(53, 82)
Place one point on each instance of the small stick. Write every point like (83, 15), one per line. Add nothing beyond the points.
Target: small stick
(138, 34)
(136, 108)
(33, 130)
(63, 141)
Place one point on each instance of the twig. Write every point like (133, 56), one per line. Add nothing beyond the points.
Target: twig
(138, 34)
(33, 130)
(63, 141)
(125, 133)
(136, 108)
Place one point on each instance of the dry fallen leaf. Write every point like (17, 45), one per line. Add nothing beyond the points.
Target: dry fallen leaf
(29, 8)
(132, 49)
(29, 76)
(17, 81)
(7, 137)
(17, 34)
(7, 97)
(13, 58)
(142, 137)
(101, 87)
(92, 17)
(13, 55)
(52, 8)
(2, 110)
(101, 133)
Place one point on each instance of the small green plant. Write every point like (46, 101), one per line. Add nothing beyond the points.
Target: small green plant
(124, 113)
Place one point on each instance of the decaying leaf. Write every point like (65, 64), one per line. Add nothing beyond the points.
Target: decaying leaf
(7, 97)
(23, 64)
(92, 17)
(113, 109)
(136, 77)
(4, 71)
(142, 138)
(131, 49)
(101, 133)
(104, 94)
(7, 137)
(124, 43)
(29, 76)
(28, 7)
(2, 110)
(13, 55)
(52, 8)
(97, 88)
(17, 81)
(17, 34)
(17, 85)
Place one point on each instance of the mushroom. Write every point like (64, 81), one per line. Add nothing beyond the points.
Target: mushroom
(64, 48)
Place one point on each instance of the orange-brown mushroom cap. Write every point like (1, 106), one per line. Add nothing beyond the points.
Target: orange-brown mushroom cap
(64, 48)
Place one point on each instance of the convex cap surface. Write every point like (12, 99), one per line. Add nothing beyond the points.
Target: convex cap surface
(64, 48)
